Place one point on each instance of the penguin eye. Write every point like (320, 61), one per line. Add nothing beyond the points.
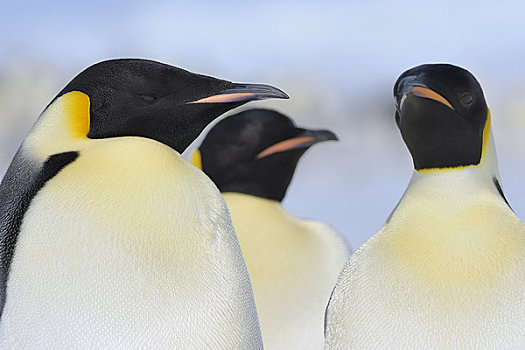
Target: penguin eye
(147, 98)
(466, 98)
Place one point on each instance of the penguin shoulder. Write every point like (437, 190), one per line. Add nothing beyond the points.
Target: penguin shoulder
(448, 268)
(260, 214)
(328, 232)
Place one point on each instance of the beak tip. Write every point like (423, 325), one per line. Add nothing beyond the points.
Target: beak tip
(274, 92)
(260, 91)
(322, 135)
(284, 95)
(331, 136)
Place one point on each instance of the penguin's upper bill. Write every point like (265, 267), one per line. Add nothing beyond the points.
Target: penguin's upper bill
(303, 140)
(255, 152)
(442, 115)
(135, 97)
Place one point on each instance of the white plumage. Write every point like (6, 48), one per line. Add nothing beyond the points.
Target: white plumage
(293, 265)
(445, 272)
(127, 247)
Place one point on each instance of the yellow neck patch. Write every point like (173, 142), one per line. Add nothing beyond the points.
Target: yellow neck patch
(454, 242)
(485, 138)
(196, 159)
(76, 105)
(486, 133)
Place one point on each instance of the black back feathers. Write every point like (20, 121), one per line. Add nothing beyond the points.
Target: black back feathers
(20, 185)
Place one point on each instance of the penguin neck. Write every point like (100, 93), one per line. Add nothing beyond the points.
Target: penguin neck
(453, 226)
(268, 177)
(62, 127)
(268, 180)
(482, 174)
(448, 191)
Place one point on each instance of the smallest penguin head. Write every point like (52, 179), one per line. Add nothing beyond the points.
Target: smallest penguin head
(135, 97)
(442, 115)
(255, 152)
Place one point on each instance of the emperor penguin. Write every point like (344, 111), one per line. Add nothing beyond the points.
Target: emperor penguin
(447, 270)
(293, 263)
(93, 254)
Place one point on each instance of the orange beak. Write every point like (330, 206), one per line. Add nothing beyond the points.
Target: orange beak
(244, 93)
(304, 139)
(426, 93)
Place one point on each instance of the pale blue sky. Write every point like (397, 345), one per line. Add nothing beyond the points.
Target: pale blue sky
(337, 60)
(350, 42)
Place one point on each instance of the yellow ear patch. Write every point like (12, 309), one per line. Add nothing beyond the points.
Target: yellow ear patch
(76, 105)
(196, 159)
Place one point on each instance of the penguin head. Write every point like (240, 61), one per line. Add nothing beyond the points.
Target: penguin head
(255, 152)
(442, 115)
(135, 97)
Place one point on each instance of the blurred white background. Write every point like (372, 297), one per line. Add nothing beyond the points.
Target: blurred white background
(338, 60)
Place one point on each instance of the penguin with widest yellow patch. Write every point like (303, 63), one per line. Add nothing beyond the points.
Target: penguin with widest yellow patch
(447, 270)
(293, 263)
(108, 238)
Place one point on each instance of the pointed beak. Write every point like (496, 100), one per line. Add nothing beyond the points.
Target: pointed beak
(410, 85)
(303, 140)
(430, 94)
(244, 93)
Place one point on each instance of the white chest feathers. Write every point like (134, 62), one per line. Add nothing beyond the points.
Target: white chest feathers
(293, 265)
(446, 272)
(128, 247)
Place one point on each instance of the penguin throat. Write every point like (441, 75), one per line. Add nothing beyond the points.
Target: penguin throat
(454, 190)
(486, 144)
(262, 182)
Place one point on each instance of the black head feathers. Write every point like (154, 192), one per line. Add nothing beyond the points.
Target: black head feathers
(256, 152)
